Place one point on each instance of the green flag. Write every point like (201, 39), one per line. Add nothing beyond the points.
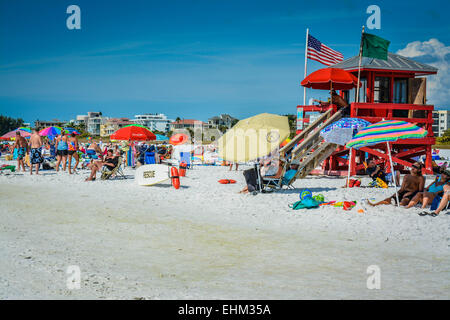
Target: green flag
(374, 46)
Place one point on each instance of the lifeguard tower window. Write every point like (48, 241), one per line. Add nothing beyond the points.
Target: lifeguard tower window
(381, 90)
(400, 96)
(349, 96)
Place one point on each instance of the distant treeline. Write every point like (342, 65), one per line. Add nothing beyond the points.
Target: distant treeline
(8, 124)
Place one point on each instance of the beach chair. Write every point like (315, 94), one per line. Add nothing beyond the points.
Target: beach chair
(288, 178)
(186, 157)
(149, 158)
(116, 172)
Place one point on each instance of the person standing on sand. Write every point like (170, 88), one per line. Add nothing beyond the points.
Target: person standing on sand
(62, 149)
(36, 151)
(73, 152)
(412, 184)
(22, 149)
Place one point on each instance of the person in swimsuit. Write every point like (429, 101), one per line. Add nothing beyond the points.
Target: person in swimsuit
(73, 152)
(36, 151)
(412, 184)
(110, 162)
(62, 150)
(434, 189)
(22, 148)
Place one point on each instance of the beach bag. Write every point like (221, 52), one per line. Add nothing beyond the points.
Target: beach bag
(251, 178)
(307, 203)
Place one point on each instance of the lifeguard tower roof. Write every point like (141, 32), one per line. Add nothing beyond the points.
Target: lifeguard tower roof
(394, 62)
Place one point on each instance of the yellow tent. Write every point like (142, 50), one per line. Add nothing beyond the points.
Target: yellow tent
(253, 137)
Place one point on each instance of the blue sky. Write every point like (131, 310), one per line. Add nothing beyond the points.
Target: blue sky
(193, 59)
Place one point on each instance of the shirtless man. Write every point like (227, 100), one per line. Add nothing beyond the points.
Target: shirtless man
(36, 151)
(73, 152)
(412, 184)
(22, 148)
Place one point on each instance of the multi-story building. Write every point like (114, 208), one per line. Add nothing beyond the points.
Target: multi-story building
(112, 125)
(92, 122)
(153, 121)
(222, 120)
(188, 124)
(44, 124)
(441, 122)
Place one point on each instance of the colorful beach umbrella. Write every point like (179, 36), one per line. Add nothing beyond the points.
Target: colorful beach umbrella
(134, 133)
(26, 129)
(253, 138)
(50, 131)
(343, 130)
(179, 139)
(386, 131)
(12, 135)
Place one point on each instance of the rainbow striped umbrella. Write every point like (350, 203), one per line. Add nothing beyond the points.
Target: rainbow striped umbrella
(385, 131)
(50, 131)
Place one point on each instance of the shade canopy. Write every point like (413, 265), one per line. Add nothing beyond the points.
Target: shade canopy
(386, 131)
(253, 138)
(133, 133)
(327, 78)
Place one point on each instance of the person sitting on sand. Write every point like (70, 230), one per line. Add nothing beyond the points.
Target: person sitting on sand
(110, 163)
(434, 189)
(412, 184)
(277, 175)
(442, 204)
(374, 171)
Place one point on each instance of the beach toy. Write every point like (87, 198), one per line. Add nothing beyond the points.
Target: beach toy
(306, 193)
(348, 205)
(360, 210)
(381, 183)
(183, 166)
(319, 198)
(175, 177)
(226, 181)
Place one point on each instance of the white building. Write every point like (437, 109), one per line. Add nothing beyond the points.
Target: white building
(92, 121)
(153, 121)
(441, 122)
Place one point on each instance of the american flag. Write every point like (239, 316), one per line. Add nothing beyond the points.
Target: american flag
(319, 52)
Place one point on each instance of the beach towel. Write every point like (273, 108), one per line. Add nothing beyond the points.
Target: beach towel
(307, 203)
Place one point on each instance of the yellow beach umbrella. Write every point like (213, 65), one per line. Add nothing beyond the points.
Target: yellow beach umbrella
(253, 138)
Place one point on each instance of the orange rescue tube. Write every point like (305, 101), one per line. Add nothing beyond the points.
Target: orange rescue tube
(182, 171)
(175, 177)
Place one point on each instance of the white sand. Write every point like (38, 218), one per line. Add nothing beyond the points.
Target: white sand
(207, 241)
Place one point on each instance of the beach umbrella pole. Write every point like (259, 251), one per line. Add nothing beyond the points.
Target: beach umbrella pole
(393, 174)
(349, 164)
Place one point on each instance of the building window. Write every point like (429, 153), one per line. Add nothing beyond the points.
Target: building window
(400, 90)
(381, 90)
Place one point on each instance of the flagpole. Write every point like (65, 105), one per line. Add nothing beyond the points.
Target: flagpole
(306, 59)
(359, 66)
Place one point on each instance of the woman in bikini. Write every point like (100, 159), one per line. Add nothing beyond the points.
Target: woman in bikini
(62, 150)
(73, 152)
(426, 197)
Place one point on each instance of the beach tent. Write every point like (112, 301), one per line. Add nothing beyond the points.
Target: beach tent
(384, 132)
(160, 137)
(253, 137)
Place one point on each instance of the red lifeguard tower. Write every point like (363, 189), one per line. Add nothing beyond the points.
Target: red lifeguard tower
(393, 89)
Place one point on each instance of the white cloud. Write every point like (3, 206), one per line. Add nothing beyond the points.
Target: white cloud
(438, 86)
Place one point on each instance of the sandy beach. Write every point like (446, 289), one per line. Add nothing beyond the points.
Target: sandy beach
(206, 241)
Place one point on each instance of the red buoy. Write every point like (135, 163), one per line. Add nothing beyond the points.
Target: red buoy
(183, 166)
(175, 177)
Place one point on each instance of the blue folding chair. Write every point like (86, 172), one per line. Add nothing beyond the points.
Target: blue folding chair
(149, 158)
(186, 157)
